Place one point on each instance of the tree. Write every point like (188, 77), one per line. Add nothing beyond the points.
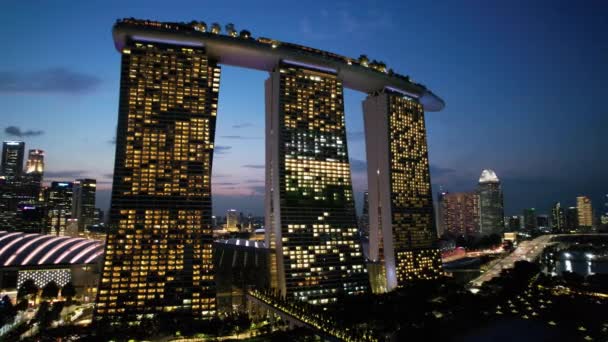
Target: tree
(68, 291)
(27, 290)
(50, 290)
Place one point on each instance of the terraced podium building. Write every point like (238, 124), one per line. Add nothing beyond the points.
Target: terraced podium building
(158, 253)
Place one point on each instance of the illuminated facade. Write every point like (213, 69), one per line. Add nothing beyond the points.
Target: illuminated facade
(402, 228)
(310, 211)
(460, 213)
(585, 212)
(12, 159)
(35, 162)
(158, 254)
(491, 210)
(58, 201)
(558, 218)
(83, 203)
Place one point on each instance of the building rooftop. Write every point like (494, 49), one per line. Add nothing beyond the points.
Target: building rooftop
(488, 176)
(264, 54)
(21, 249)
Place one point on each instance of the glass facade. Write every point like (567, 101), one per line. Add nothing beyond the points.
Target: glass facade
(158, 255)
(491, 210)
(402, 225)
(310, 211)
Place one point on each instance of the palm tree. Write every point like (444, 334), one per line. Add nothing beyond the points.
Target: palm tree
(28, 289)
(50, 290)
(68, 291)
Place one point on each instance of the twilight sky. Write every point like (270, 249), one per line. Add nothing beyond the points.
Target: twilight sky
(524, 83)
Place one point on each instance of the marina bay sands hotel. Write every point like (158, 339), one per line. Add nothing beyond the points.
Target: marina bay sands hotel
(158, 255)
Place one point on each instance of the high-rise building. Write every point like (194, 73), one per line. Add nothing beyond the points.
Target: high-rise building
(530, 222)
(571, 219)
(58, 201)
(542, 221)
(585, 212)
(12, 159)
(35, 162)
(514, 223)
(604, 216)
(158, 255)
(83, 203)
(232, 220)
(310, 214)
(461, 213)
(364, 218)
(491, 210)
(403, 236)
(558, 218)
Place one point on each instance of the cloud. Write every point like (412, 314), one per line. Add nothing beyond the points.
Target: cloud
(17, 132)
(52, 80)
(254, 181)
(358, 165)
(254, 166)
(112, 141)
(219, 149)
(66, 174)
(334, 24)
(438, 171)
(109, 175)
(239, 137)
(242, 125)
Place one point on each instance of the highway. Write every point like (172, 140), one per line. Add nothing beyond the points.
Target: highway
(527, 250)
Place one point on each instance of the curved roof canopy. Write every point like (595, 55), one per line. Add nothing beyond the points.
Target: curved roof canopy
(265, 54)
(21, 249)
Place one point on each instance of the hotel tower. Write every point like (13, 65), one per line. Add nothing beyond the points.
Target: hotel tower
(158, 255)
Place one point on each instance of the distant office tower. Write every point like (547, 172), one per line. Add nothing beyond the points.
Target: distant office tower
(158, 255)
(58, 200)
(35, 162)
(604, 217)
(558, 218)
(491, 210)
(542, 221)
(232, 220)
(461, 213)
(364, 219)
(12, 159)
(585, 212)
(83, 203)
(403, 235)
(439, 215)
(571, 219)
(514, 223)
(530, 222)
(310, 213)
(34, 171)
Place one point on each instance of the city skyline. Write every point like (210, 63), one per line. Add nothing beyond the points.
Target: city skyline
(531, 159)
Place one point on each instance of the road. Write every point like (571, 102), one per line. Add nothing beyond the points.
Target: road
(527, 250)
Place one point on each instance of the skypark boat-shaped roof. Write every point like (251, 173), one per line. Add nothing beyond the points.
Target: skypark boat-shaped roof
(265, 54)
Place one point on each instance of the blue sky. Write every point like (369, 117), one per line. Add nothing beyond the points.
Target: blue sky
(524, 83)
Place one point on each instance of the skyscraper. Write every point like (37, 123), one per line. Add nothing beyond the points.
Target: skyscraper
(158, 254)
(530, 222)
(461, 213)
(585, 212)
(491, 210)
(12, 159)
(83, 203)
(514, 224)
(58, 201)
(571, 219)
(558, 218)
(232, 220)
(402, 224)
(35, 162)
(310, 213)
(364, 219)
